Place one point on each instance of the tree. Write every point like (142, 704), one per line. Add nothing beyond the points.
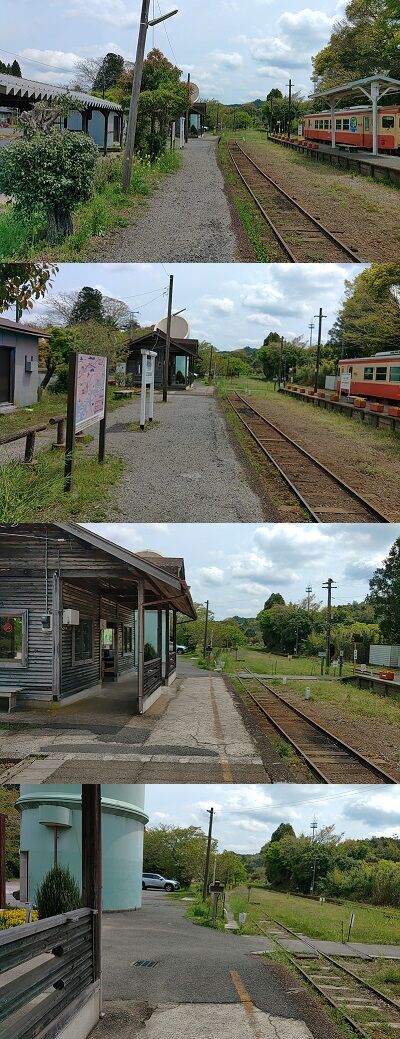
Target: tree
(54, 356)
(107, 75)
(230, 869)
(275, 599)
(163, 97)
(58, 893)
(191, 633)
(22, 283)
(283, 830)
(284, 627)
(369, 318)
(227, 633)
(385, 595)
(49, 173)
(364, 40)
(176, 852)
(8, 798)
(88, 306)
(114, 312)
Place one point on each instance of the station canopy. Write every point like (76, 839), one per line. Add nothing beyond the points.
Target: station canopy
(373, 87)
(29, 91)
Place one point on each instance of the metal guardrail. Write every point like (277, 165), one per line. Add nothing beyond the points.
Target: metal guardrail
(57, 960)
(152, 677)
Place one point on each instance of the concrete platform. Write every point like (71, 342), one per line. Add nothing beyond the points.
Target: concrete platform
(359, 950)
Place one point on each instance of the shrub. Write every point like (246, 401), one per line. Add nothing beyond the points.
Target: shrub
(58, 893)
(50, 173)
(180, 378)
(149, 652)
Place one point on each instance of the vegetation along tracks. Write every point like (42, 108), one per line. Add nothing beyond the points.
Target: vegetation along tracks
(327, 756)
(368, 1012)
(302, 237)
(324, 495)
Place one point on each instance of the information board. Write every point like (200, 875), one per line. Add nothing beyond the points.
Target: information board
(90, 393)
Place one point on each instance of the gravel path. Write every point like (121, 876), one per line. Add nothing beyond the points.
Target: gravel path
(186, 220)
(182, 469)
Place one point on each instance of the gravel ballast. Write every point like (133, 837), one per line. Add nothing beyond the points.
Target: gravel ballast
(186, 220)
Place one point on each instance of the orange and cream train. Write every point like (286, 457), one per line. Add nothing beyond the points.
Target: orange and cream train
(353, 126)
(377, 378)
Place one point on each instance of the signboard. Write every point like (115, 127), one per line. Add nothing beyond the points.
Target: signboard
(148, 371)
(90, 390)
(353, 124)
(345, 382)
(242, 918)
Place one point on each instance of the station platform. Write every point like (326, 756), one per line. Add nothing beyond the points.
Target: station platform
(380, 167)
(344, 407)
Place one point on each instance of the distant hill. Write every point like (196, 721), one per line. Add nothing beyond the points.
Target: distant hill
(257, 103)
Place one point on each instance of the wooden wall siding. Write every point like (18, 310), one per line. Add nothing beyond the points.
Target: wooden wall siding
(152, 676)
(36, 677)
(112, 611)
(85, 673)
(69, 555)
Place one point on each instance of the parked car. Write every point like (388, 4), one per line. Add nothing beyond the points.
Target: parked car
(179, 649)
(156, 880)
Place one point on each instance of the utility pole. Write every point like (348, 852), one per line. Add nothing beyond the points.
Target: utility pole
(320, 316)
(280, 361)
(187, 110)
(329, 584)
(206, 629)
(168, 339)
(289, 107)
(314, 830)
(311, 327)
(210, 363)
(208, 853)
(308, 590)
(137, 82)
(2, 861)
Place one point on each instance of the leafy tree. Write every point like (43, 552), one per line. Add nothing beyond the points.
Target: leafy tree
(108, 72)
(176, 852)
(163, 97)
(87, 307)
(8, 798)
(275, 599)
(191, 633)
(54, 356)
(230, 869)
(49, 173)
(369, 318)
(282, 627)
(228, 633)
(385, 595)
(12, 69)
(22, 283)
(367, 38)
(283, 830)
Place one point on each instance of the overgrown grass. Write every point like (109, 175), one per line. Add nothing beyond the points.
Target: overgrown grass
(33, 493)
(355, 702)
(200, 913)
(264, 663)
(318, 919)
(109, 209)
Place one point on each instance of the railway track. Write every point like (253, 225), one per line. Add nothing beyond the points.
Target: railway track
(324, 495)
(346, 991)
(326, 755)
(302, 237)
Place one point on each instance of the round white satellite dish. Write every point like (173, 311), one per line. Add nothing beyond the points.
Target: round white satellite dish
(179, 326)
(194, 92)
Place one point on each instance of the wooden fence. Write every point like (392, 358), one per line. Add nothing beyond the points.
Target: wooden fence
(45, 967)
(152, 676)
(29, 435)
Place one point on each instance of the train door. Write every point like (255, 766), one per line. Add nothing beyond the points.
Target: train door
(367, 131)
(5, 375)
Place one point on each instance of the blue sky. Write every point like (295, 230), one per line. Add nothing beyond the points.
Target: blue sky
(245, 816)
(234, 51)
(236, 566)
(230, 305)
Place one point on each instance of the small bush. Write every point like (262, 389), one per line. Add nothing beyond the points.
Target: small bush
(58, 893)
(149, 652)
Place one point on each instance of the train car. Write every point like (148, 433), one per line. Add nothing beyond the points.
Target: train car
(377, 378)
(353, 127)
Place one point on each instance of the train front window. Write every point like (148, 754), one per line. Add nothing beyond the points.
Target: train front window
(387, 122)
(394, 375)
(368, 373)
(381, 374)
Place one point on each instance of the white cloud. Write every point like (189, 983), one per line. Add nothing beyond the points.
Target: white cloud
(59, 59)
(218, 305)
(113, 12)
(212, 574)
(228, 61)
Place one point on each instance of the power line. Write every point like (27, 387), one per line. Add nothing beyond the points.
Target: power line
(33, 61)
(166, 33)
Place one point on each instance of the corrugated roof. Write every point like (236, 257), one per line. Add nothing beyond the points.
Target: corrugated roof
(18, 326)
(36, 91)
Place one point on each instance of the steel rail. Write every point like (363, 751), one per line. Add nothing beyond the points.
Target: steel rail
(321, 227)
(386, 777)
(340, 966)
(377, 516)
(281, 240)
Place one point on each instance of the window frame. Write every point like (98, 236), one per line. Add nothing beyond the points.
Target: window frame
(368, 378)
(390, 125)
(23, 613)
(381, 368)
(338, 123)
(394, 367)
(77, 661)
(346, 120)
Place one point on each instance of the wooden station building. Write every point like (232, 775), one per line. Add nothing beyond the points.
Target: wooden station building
(182, 356)
(78, 612)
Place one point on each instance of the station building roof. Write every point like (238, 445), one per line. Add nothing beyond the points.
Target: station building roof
(32, 90)
(18, 326)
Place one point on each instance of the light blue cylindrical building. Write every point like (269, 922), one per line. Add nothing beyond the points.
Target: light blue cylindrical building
(51, 832)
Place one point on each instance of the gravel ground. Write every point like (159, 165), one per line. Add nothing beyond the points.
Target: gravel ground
(180, 470)
(187, 219)
(365, 215)
(372, 468)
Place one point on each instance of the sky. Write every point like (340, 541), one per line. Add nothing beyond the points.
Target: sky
(234, 51)
(246, 816)
(229, 305)
(237, 566)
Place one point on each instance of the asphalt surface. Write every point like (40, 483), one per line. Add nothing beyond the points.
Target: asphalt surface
(192, 965)
(187, 218)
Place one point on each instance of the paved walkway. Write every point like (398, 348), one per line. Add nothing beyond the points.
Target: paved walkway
(194, 733)
(186, 220)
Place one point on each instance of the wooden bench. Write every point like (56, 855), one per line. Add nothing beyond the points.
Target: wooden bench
(10, 694)
(123, 392)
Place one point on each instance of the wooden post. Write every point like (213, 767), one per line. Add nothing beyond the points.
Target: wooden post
(174, 630)
(140, 643)
(30, 446)
(168, 340)
(105, 140)
(92, 864)
(2, 861)
(57, 608)
(159, 634)
(60, 433)
(167, 644)
(103, 422)
(70, 434)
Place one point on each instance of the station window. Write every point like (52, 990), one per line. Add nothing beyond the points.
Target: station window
(394, 375)
(387, 122)
(13, 637)
(381, 374)
(83, 640)
(368, 373)
(346, 124)
(338, 124)
(127, 639)
(326, 124)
